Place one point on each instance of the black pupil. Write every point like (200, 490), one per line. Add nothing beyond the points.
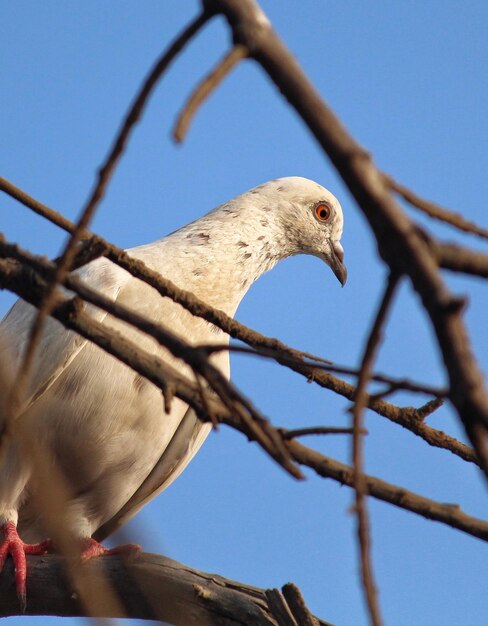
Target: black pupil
(323, 213)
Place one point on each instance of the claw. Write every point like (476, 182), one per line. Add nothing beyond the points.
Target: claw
(94, 549)
(22, 597)
(13, 545)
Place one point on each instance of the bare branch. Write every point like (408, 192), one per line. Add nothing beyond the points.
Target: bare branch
(360, 487)
(297, 603)
(395, 384)
(449, 514)
(136, 109)
(428, 408)
(317, 430)
(151, 587)
(205, 88)
(434, 210)
(457, 258)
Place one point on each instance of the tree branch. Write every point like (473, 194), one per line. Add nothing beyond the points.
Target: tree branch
(435, 210)
(360, 487)
(151, 587)
(205, 88)
(450, 514)
(457, 258)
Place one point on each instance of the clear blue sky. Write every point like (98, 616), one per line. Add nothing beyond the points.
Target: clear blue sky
(409, 80)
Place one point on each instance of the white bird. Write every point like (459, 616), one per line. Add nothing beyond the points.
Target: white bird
(102, 424)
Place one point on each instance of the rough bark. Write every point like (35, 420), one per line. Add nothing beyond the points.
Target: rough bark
(150, 587)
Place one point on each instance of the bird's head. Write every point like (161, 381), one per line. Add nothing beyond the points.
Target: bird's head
(311, 217)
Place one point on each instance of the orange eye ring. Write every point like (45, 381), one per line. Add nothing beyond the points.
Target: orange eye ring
(322, 212)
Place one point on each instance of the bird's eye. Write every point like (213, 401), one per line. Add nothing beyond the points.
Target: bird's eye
(322, 212)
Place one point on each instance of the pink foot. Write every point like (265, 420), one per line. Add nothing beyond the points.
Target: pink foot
(13, 545)
(92, 549)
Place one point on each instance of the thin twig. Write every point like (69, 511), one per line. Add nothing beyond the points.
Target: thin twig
(434, 210)
(428, 408)
(449, 514)
(395, 384)
(205, 88)
(96, 195)
(317, 430)
(206, 403)
(360, 487)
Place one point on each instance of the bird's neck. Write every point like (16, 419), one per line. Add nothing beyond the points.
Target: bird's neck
(223, 253)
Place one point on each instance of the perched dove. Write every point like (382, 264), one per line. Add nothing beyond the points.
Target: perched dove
(102, 424)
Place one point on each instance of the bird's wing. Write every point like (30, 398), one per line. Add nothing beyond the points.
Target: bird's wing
(60, 350)
(57, 347)
(185, 443)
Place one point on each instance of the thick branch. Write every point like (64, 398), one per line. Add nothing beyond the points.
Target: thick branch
(152, 587)
(460, 259)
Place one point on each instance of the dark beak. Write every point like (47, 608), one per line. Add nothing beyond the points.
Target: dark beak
(336, 261)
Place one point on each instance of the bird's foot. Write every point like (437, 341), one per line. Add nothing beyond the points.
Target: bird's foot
(91, 549)
(13, 545)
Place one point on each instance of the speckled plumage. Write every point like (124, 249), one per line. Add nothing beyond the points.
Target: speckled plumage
(104, 424)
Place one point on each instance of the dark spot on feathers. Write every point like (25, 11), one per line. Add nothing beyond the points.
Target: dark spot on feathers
(244, 284)
(266, 209)
(248, 255)
(280, 188)
(197, 272)
(260, 237)
(254, 191)
(70, 385)
(202, 237)
(264, 222)
(242, 244)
